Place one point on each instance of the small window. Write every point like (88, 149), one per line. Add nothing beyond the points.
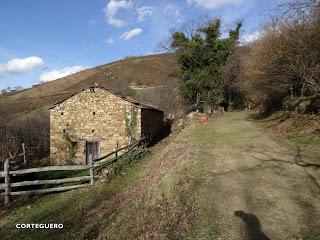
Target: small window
(64, 131)
(93, 130)
(94, 113)
(62, 113)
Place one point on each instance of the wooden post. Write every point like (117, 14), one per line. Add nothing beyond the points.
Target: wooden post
(7, 182)
(92, 172)
(117, 147)
(24, 154)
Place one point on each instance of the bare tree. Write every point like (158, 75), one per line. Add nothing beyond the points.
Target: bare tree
(286, 60)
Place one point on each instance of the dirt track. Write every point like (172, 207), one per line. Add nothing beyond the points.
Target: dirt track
(224, 180)
(250, 186)
(263, 190)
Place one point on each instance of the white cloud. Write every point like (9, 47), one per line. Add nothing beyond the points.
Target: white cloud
(110, 40)
(92, 21)
(19, 65)
(59, 73)
(249, 38)
(132, 33)
(173, 10)
(212, 4)
(111, 10)
(143, 12)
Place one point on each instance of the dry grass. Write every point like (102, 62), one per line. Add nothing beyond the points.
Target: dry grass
(152, 71)
(300, 131)
(225, 179)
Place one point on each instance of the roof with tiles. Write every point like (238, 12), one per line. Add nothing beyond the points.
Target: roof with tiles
(133, 101)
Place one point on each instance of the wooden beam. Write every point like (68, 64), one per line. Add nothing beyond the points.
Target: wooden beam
(91, 172)
(24, 154)
(49, 181)
(117, 149)
(48, 190)
(109, 161)
(131, 145)
(106, 162)
(50, 168)
(6, 182)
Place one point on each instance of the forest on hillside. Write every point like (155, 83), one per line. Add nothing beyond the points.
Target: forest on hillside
(280, 70)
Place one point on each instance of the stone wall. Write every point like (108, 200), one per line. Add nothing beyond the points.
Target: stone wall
(92, 115)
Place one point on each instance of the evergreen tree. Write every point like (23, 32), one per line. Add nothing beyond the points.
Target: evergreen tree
(203, 57)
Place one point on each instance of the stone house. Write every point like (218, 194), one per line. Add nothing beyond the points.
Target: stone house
(94, 121)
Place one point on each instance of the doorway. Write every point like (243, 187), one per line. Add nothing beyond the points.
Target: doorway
(92, 151)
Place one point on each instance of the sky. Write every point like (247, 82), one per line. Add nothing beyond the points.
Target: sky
(42, 40)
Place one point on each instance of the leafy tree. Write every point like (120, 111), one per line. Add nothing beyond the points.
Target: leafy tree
(234, 90)
(3, 91)
(203, 56)
(17, 88)
(283, 70)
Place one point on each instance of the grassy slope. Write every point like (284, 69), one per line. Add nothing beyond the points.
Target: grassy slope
(188, 188)
(299, 132)
(158, 197)
(154, 71)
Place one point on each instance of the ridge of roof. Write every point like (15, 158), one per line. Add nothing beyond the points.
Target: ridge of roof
(133, 101)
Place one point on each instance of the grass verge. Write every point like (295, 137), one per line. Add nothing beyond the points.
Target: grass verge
(68, 208)
(300, 132)
(163, 195)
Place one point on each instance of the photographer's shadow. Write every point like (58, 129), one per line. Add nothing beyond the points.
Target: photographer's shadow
(252, 225)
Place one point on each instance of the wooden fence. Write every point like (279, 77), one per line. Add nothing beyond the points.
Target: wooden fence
(99, 162)
(34, 153)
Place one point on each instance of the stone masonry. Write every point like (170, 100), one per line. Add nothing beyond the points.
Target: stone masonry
(97, 115)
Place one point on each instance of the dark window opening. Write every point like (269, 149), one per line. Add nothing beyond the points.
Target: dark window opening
(94, 113)
(74, 144)
(64, 130)
(62, 113)
(92, 130)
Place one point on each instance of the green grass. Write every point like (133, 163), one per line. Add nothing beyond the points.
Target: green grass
(174, 203)
(177, 207)
(306, 235)
(170, 193)
(69, 208)
(301, 138)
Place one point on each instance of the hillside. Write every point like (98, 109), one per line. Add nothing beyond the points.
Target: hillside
(149, 78)
(226, 179)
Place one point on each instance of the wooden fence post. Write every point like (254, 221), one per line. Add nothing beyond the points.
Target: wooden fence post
(24, 154)
(92, 172)
(117, 147)
(7, 182)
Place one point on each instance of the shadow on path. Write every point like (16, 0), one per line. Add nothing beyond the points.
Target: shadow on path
(297, 160)
(253, 226)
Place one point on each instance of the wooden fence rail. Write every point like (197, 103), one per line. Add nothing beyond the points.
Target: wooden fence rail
(105, 161)
(50, 168)
(7, 185)
(48, 190)
(50, 181)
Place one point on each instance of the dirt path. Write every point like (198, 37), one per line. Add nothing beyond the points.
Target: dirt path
(262, 189)
(224, 180)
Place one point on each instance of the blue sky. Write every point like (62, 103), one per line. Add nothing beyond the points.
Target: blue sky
(42, 40)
